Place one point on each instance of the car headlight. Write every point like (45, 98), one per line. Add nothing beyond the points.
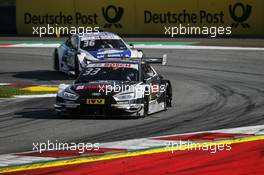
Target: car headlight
(70, 96)
(124, 96)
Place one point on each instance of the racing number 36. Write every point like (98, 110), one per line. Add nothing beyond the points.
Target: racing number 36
(88, 43)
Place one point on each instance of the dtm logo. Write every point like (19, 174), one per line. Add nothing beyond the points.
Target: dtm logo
(113, 20)
(240, 19)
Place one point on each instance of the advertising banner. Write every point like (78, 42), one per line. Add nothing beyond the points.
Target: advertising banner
(161, 17)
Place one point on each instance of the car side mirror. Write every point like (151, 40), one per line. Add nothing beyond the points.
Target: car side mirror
(145, 80)
(131, 45)
(63, 86)
(71, 75)
(74, 43)
(75, 46)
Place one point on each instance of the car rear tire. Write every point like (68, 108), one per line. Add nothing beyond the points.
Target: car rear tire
(165, 101)
(76, 67)
(168, 96)
(145, 106)
(56, 61)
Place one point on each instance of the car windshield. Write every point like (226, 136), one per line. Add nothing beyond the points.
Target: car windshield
(90, 45)
(109, 71)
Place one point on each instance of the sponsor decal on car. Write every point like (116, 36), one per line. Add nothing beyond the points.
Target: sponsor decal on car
(92, 101)
(155, 88)
(114, 65)
(88, 87)
(84, 38)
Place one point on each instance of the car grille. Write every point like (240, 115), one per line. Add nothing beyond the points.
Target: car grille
(108, 100)
(90, 109)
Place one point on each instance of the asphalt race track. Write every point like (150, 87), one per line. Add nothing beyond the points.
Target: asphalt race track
(213, 89)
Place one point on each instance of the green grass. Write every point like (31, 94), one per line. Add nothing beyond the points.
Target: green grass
(10, 91)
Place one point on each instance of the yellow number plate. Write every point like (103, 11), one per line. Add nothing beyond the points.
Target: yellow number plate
(92, 101)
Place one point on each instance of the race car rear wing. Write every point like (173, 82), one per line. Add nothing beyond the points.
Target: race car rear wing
(152, 60)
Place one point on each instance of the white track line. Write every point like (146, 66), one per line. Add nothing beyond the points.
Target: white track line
(188, 47)
(138, 144)
(255, 130)
(36, 96)
(156, 46)
(9, 159)
(5, 84)
(149, 142)
(35, 45)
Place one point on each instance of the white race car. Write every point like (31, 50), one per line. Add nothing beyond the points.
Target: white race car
(80, 49)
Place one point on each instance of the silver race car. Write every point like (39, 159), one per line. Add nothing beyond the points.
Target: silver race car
(129, 87)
